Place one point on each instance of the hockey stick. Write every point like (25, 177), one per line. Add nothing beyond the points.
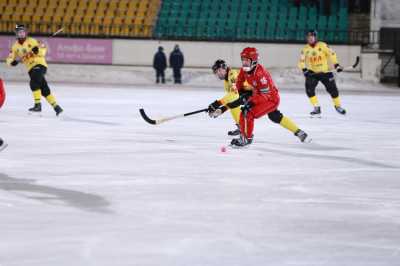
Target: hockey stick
(352, 66)
(165, 119)
(57, 32)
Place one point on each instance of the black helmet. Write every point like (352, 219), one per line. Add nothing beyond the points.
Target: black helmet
(312, 33)
(19, 27)
(20, 32)
(218, 64)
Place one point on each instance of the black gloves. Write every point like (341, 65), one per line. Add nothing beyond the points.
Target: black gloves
(213, 106)
(35, 50)
(338, 68)
(14, 63)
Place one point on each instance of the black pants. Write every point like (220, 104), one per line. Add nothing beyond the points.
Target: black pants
(327, 79)
(177, 75)
(38, 82)
(160, 73)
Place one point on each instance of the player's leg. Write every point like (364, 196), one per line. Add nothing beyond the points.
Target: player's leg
(329, 82)
(311, 84)
(246, 124)
(47, 93)
(277, 117)
(36, 77)
(235, 112)
(2, 93)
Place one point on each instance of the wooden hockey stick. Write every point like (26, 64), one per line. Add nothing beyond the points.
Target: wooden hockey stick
(165, 119)
(57, 32)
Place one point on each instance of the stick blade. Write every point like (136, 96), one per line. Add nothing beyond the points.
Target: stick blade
(357, 62)
(146, 118)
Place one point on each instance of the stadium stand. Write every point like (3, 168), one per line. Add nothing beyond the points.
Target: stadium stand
(125, 18)
(248, 20)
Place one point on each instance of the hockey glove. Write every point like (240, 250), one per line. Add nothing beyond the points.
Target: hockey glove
(216, 113)
(338, 68)
(35, 50)
(219, 111)
(14, 63)
(213, 106)
(307, 72)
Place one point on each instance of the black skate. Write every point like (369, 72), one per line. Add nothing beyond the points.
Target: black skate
(302, 136)
(3, 145)
(37, 108)
(234, 132)
(340, 110)
(316, 113)
(58, 110)
(241, 142)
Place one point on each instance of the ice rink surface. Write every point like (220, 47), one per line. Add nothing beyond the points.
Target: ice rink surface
(99, 186)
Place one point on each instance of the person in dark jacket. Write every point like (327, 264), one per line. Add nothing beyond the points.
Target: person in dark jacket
(176, 62)
(160, 64)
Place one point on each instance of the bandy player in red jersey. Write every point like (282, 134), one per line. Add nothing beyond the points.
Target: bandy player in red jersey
(3, 145)
(261, 99)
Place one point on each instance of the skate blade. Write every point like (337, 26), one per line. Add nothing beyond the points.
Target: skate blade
(238, 147)
(5, 145)
(38, 114)
(315, 116)
(307, 140)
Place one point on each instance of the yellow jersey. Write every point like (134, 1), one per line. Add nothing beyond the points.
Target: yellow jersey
(231, 92)
(317, 57)
(23, 53)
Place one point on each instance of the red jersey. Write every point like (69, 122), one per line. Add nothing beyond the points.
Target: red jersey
(260, 79)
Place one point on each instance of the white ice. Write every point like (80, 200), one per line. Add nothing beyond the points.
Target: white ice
(99, 186)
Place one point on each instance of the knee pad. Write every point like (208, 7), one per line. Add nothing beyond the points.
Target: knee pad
(275, 116)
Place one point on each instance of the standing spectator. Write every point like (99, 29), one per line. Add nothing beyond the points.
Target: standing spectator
(160, 64)
(176, 63)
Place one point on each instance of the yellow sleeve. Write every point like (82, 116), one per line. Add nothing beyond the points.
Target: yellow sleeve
(229, 97)
(330, 54)
(42, 49)
(40, 45)
(12, 55)
(302, 61)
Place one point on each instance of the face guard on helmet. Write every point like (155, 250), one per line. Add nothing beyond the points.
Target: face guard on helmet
(20, 32)
(249, 58)
(220, 69)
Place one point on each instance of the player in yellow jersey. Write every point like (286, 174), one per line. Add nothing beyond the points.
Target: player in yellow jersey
(314, 62)
(229, 76)
(32, 54)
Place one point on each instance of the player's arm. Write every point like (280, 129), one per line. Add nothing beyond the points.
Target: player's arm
(302, 64)
(12, 57)
(332, 56)
(38, 48)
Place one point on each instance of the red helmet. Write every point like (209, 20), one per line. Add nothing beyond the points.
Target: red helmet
(250, 53)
